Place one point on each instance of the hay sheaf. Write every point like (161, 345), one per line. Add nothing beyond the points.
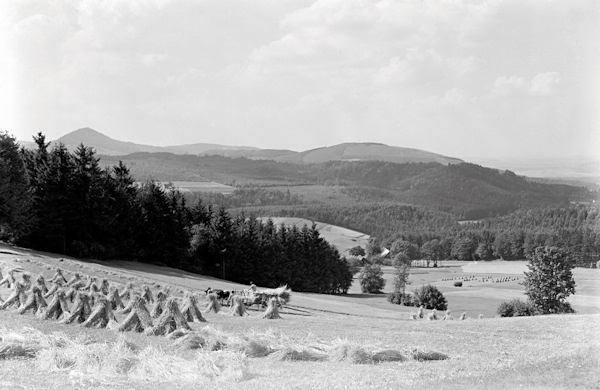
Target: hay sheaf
(190, 309)
(213, 304)
(170, 320)
(139, 318)
(298, 354)
(18, 350)
(423, 356)
(159, 306)
(16, 298)
(272, 312)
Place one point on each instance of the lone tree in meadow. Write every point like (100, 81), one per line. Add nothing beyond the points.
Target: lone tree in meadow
(550, 280)
(371, 279)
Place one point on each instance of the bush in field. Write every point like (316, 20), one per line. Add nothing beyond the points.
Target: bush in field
(457, 284)
(516, 308)
(430, 297)
(400, 298)
(550, 280)
(371, 279)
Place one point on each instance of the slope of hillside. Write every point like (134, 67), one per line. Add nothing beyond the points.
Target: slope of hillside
(341, 238)
(367, 152)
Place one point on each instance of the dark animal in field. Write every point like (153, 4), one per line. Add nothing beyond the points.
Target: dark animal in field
(222, 295)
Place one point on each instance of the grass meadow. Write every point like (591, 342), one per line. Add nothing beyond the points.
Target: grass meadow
(321, 342)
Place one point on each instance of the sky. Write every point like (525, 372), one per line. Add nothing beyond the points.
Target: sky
(463, 78)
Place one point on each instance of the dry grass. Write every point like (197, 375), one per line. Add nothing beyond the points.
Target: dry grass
(239, 352)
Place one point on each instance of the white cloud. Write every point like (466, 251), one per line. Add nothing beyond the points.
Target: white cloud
(298, 73)
(508, 86)
(544, 84)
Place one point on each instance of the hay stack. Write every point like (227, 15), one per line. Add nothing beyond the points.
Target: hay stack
(90, 282)
(433, 315)
(16, 298)
(147, 294)
(480, 316)
(447, 316)
(272, 312)
(104, 287)
(420, 312)
(170, 320)
(189, 308)
(463, 316)
(126, 293)
(26, 281)
(57, 285)
(35, 302)
(81, 309)
(40, 282)
(159, 306)
(8, 279)
(213, 304)
(58, 275)
(139, 318)
(238, 308)
(115, 299)
(56, 308)
(129, 307)
(102, 315)
(75, 279)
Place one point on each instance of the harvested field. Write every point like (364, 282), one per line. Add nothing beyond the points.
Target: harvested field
(384, 348)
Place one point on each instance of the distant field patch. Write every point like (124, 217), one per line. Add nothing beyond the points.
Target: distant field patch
(202, 186)
(496, 267)
(343, 239)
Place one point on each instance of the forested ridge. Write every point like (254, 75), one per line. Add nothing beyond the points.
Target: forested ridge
(465, 190)
(64, 202)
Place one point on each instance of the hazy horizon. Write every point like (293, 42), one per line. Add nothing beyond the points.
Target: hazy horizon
(472, 79)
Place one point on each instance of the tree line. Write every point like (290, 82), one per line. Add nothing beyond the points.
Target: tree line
(55, 200)
(418, 232)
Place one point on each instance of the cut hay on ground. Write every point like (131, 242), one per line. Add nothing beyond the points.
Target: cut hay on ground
(14, 351)
(423, 356)
(298, 354)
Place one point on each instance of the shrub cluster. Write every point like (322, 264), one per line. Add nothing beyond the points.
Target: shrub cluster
(516, 308)
(430, 297)
(400, 298)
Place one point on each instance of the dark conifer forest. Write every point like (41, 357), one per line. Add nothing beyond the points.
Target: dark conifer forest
(64, 202)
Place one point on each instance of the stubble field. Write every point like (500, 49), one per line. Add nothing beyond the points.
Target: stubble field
(536, 352)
